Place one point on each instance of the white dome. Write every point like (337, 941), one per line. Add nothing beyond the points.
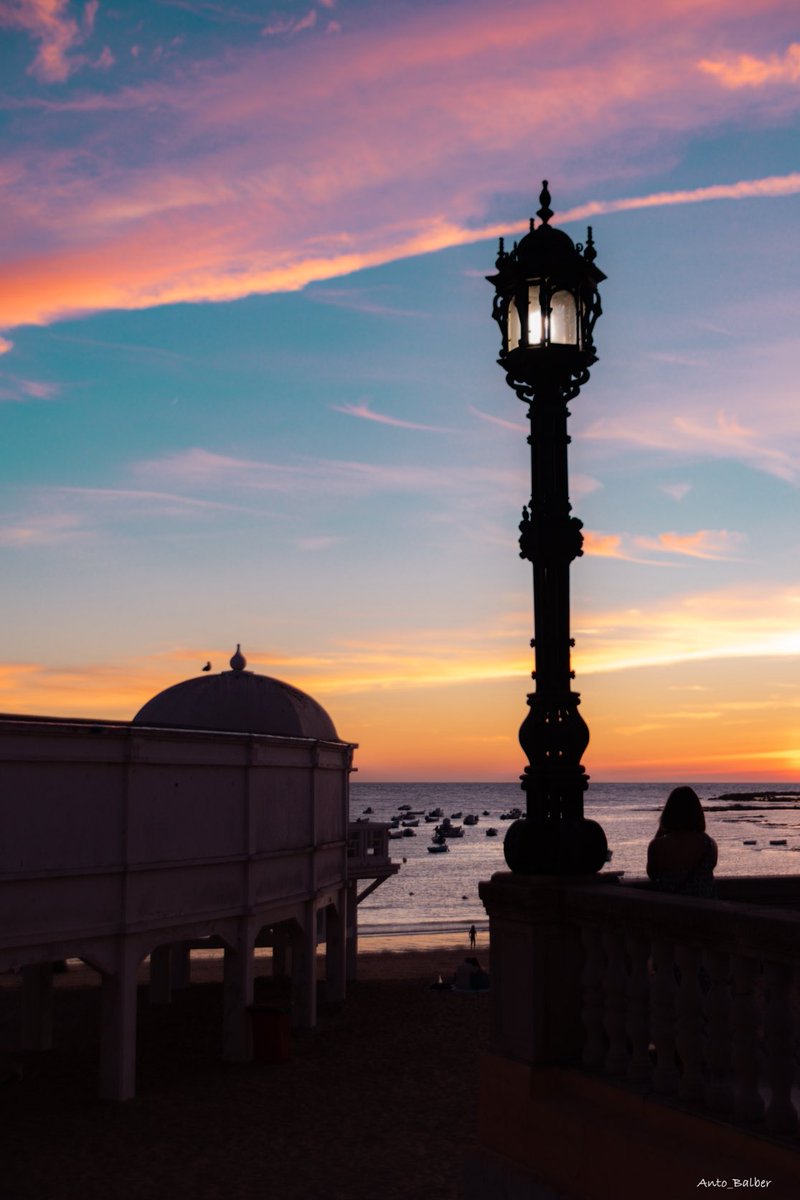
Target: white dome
(239, 701)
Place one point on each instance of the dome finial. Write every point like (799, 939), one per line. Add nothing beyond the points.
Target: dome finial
(545, 212)
(238, 661)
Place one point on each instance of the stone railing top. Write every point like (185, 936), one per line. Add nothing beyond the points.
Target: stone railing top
(765, 929)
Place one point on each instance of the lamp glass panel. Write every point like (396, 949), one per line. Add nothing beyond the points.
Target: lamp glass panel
(535, 325)
(563, 319)
(514, 327)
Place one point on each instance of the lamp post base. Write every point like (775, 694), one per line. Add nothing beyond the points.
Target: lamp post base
(555, 847)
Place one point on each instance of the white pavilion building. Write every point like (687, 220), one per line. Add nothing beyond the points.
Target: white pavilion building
(218, 817)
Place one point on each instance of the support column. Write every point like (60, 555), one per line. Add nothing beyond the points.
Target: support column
(37, 1007)
(118, 1027)
(352, 930)
(304, 970)
(237, 996)
(336, 949)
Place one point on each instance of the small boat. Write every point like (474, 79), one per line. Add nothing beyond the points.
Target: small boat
(448, 830)
(750, 842)
(408, 833)
(411, 824)
(436, 813)
(777, 841)
(491, 831)
(429, 818)
(404, 808)
(368, 809)
(486, 812)
(471, 819)
(439, 848)
(513, 814)
(393, 836)
(455, 816)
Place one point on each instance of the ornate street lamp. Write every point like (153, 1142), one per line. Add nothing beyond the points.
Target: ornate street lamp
(546, 305)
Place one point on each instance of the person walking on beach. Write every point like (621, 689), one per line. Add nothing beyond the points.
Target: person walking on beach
(681, 857)
(473, 937)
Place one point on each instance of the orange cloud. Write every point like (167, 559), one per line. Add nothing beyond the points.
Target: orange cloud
(747, 71)
(696, 627)
(603, 545)
(715, 544)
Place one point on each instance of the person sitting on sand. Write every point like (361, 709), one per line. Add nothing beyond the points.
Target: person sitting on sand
(470, 977)
(681, 857)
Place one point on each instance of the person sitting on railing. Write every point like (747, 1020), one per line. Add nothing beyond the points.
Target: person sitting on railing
(681, 857)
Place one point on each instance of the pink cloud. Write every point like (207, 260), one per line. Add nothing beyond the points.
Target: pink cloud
(42, 529)
(226, 178)
(200, 469)
(772, 185)
(283, 25)
(58, 33)
(516, 426)
(21, 390)
(366, 414)
(677, 491)
(713, 435)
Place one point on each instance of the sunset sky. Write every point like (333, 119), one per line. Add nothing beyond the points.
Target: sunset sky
(247, 366)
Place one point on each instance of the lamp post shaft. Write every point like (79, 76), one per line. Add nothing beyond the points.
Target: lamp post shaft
(550, 516)
(554, 736)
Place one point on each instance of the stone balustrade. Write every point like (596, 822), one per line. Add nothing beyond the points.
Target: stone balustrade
(694, 998)
(641, 1041)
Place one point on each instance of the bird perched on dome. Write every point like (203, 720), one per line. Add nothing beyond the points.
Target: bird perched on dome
(207, 667)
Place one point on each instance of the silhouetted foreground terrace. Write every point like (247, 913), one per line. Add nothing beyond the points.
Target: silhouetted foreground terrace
(380, 1100)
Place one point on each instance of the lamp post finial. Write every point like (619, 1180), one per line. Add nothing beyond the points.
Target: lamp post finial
(545, 211)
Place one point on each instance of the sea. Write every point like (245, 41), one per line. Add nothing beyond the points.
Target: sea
(756, 826)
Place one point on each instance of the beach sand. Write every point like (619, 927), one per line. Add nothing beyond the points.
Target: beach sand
(379, 1100)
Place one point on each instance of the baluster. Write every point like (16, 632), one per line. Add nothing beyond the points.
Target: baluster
(749, 1106)
(719, 1093)
(615, 1002)
(689, 1033)
(638, 1020)
(663, 989)
(780, 1115)
(594, 1046)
